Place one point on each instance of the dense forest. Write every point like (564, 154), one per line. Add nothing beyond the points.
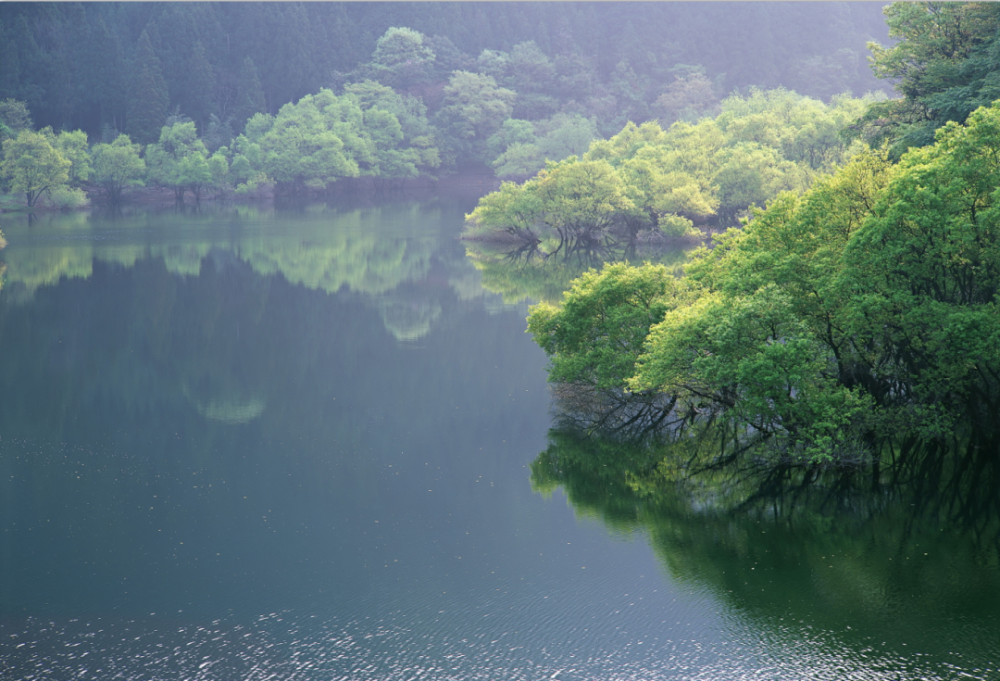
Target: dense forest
(840, 324)
(87, 66)
(857, 307)
(233, 97)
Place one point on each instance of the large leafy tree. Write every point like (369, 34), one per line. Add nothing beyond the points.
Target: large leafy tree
(945, 64)
(73, 146)
(403, 58)
(118, 165)
(179, 160)
(863, 308)
(31, 164)
(474, 108)
(414, 150)
(315, 142)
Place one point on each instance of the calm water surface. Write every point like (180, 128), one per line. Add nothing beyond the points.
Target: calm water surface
(294, 444)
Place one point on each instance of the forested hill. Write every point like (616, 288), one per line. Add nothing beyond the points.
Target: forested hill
(82, 65)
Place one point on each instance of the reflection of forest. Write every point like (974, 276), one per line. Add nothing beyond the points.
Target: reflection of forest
(520, 274)
(137, 383)
(368, 251)
(878, 566)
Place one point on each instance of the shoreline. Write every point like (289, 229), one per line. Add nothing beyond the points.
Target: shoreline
(163, 197)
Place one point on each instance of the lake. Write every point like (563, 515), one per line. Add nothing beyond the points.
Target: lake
(298, 443)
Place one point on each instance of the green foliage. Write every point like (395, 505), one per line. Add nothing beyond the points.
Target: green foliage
(14, 117)
(118, 165)
(690, 97)
(522, 148)
(399, 129)
(80, 67)
(402, 58)
(218, 168)
(474, 108)
(32, 165)
(512, 131)
(73, 146)
(65, 197)
(924, 274)
(315, 142)
(759, 146)
(864, 307)
(597, 334)
(179, 160)
(250, 98)
(148, 94)
(944, 64)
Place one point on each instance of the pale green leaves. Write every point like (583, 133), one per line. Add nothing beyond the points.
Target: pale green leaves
(32, 165)
(118, 165)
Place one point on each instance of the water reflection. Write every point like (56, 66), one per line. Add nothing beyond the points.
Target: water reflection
(215, 467)
(396, 254)
(522, 273)
(908, 568)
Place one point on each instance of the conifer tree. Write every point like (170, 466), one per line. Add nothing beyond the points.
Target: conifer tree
(200, 87)
(149, 98)
(249, 95)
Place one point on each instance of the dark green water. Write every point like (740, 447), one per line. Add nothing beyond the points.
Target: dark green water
(294, 444)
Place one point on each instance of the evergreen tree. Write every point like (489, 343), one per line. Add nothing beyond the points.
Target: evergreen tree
(111, 82)
(249, 95)
(200, 90)
(14, 117)
(149, 98)
(10, 74)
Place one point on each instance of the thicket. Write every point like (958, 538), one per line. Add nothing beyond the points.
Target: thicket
(439, 86)
(860, 310)
(646, 179)
(843, 319)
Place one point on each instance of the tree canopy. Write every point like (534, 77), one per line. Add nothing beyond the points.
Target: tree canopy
(944, 64)
(863, 308)
(32, 165)
(118, 165)
(646, 179)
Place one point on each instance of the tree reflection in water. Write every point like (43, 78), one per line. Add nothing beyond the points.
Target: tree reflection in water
(902, 555)
(520, 271)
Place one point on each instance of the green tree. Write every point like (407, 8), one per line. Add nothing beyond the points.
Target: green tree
(474, 108)
(73, 146)
(149, 96)
(32, 165)
(944, 63)
(218, 167)
(522, 148)
(250, 97)
(402, 58)
(110, 76)
(924, 274)
(416, 146)
(179, 160)
(316, 141)
(14, 117)
(597, 334)
(688, 98)
(118, 165)
(199, 91)
(860, 311)
(528, 71)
